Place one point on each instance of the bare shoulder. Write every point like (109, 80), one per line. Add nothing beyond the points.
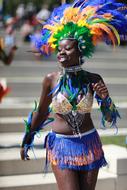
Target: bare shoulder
(94, 77)
(49, 79)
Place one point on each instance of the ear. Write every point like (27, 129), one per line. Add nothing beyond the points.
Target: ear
(78, 49)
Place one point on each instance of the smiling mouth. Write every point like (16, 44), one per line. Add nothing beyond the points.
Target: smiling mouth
(62, 58)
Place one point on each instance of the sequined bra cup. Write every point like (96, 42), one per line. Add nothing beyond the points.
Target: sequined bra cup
(72, 97)
(61, 105)
(74, 118)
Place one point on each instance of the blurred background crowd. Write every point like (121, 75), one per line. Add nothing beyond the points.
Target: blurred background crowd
(22, 16)
(18, 20)
(25, 17)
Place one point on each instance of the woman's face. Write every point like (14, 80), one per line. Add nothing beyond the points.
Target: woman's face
(68, 53)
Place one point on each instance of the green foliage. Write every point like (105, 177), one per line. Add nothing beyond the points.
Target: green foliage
(117, 140)
(10, 6)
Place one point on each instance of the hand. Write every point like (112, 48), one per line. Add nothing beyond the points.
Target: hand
(100, 89)
(23, 154)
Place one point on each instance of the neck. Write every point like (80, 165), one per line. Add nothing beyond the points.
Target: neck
(72, 69)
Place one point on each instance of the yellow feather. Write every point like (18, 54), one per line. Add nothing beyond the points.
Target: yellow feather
(88, 12)
(83, 23)
(55, 28)
(106, 29)
(51, 39)
(53, 46)
(115, 32)
(49, 27)
(71, 15)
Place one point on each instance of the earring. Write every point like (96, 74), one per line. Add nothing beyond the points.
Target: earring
(81, 60)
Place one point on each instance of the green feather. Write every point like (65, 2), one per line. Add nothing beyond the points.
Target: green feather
(102, 20)
(72, 30)
(27, 127)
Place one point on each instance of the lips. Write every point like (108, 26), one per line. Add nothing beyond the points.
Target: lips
(62, 58)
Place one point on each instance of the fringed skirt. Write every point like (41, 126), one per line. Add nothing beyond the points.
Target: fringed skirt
(74, 152)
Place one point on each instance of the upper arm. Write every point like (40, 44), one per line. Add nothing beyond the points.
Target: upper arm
(93, 79)
(42, 112)
(97, 78)
(45, 98)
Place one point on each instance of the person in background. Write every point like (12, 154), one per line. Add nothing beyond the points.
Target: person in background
(6, 58)
(4, 89)
(43, 14)
(8, 45)
(20, 13)
(26, 30)
(73, 147)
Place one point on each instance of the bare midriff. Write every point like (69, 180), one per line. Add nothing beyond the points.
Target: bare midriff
(61, 126)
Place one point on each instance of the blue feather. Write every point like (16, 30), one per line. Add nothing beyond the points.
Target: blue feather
(119, 20)
(57, 14)
(118, 11)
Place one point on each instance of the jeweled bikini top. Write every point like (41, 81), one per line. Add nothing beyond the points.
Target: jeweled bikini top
(72, 92)
(72, 98)
(60, 104)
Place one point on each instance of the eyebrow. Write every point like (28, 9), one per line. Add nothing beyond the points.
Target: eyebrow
(68, 45)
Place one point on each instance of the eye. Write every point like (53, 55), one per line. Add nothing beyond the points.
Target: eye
(68, 47)
(59, 49)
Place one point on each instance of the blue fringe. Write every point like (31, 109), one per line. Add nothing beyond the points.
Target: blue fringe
(96, 165)
(66, 149)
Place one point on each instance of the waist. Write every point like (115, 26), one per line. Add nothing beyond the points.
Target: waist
(61, 126)
(76, 135)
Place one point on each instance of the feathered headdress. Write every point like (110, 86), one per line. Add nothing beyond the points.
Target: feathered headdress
(89, 22)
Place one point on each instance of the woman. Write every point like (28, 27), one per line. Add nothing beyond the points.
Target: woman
(73, 147)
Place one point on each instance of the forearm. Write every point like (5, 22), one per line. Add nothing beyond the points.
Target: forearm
(105, 109)
(34, 123)
(37, 119)
(109, 110)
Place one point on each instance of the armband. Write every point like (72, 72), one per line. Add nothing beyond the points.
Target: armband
(107, 106)
(28, 138)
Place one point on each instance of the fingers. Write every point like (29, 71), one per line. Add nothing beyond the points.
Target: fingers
(23, 155)
(101, 89)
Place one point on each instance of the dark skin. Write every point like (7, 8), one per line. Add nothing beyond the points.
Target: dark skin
(68, 55)
(7, 59)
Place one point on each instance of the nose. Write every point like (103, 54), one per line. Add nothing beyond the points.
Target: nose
(62, 51)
